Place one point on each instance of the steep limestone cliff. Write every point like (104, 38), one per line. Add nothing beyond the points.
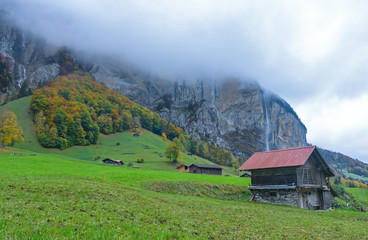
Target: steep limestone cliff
(31, 61)
(235, 114)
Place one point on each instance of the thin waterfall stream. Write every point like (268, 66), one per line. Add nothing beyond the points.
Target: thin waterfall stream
(267, 132)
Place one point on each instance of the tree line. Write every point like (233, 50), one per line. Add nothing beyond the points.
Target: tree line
(348, 182)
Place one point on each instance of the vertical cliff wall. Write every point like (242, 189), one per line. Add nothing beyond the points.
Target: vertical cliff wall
(236, 114)
(30, 61)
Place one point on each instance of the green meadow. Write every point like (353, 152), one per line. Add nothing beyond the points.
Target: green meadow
(120, 146)
(70, 194)
(45, 196)
(359, 193)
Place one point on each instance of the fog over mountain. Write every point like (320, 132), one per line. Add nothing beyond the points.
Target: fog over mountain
(313, 53)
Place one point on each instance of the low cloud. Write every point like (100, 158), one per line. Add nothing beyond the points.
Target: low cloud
(312, 53)
(337, 123)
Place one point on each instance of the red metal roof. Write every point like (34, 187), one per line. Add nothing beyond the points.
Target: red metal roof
(278, 158)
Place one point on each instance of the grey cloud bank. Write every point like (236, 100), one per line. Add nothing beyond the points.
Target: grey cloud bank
(312, 53)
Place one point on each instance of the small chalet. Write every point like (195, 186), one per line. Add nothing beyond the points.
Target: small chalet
(113, 162)
(245, 175)
(296, 177)
(201, 169)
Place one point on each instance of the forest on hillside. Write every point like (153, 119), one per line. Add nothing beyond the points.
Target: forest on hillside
(74, 109)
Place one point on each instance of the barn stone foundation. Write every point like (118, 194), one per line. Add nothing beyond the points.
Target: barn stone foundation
(279, 196)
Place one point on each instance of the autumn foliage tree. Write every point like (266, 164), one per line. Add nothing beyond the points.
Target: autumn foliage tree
(163, 137)
(10, 131)
(173, 153)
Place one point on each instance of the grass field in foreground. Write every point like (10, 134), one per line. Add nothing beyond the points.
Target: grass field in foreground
(123, 146)
(50, 197)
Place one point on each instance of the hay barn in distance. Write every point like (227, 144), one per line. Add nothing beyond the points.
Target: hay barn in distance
(201, 169)
(113, 162)
(297, 177)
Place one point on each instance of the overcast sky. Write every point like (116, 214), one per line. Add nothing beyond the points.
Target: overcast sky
(314, 54)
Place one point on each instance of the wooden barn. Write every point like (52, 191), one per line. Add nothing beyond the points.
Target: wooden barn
(113, 162)
(201, 169)
(297, 177)
(184, 168)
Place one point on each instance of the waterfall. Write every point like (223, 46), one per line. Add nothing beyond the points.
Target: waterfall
(22, 74)
(267, 127)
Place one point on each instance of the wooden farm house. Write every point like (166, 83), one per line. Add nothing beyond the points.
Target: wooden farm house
(113, 162)
(296, 177)
(201, 169)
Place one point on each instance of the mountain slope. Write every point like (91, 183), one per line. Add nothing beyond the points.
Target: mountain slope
(346, 166)
(232, 113)
(148, 146)
(32, 62)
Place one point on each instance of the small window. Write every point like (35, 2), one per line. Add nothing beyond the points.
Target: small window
(273, 194)
(186, 167)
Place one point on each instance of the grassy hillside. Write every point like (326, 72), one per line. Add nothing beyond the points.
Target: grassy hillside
(45, 196)
(123, 146)
(359, 193)
(22, 109)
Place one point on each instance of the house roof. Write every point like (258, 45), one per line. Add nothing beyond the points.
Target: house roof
(279, 158)
(207, 166)
(185, 165)
(109, 159)
(200, 166)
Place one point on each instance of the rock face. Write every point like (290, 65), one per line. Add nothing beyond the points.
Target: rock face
(32, 61)
(234, 114)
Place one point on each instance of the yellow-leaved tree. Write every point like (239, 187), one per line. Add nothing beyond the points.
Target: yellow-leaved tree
(164, 137)
(10, 131)
(173, 153)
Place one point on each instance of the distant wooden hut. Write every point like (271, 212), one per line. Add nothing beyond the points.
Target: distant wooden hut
(201, 169)
(245, 175)
(184, 168)
(113, 162)
(296, 177)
